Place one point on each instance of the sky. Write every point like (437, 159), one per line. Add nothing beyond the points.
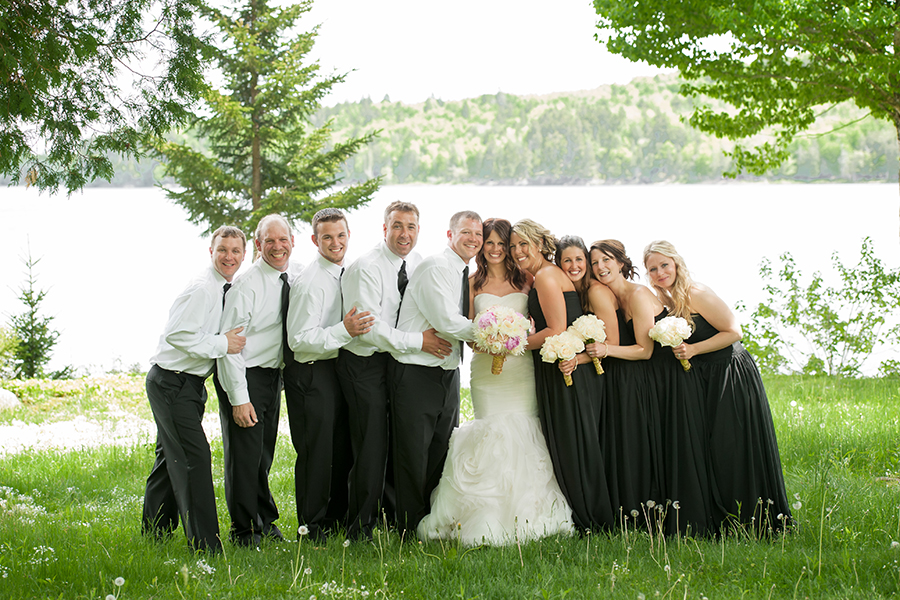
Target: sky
(411, 50)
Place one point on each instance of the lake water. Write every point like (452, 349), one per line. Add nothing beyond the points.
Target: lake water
(113, 260)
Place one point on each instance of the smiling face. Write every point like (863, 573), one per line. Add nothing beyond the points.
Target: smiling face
(274, 245)
(331, 239)
(227, 255)
(494, 249)
(466, 239)
(573, 263)
(524, 252)
(606, 268)
(401, 230)
(661, 269)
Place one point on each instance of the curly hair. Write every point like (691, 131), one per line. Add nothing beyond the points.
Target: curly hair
(616, 250)
(514, 273)
(584, 285)
(538, 235)
(678, 298)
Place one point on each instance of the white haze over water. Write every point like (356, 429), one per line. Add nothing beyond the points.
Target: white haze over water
(113, 260)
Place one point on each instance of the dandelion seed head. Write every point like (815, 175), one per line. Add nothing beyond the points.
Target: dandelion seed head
(895, 544)
(797, 505)
(110, 597)
(346, 543)
(651, 503)
(120, 581)
(793, 403)
(303, 530)
(676, 505)
(634, 513)
(307, 571)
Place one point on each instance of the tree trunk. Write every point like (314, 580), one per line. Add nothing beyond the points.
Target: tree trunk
(255, 153)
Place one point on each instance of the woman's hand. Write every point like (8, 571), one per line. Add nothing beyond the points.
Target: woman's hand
(596, 349)
(568, 366)
(684, 351)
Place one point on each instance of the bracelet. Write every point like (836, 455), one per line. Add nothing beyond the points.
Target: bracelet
(605, 350)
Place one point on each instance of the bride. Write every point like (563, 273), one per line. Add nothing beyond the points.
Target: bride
(498, 485)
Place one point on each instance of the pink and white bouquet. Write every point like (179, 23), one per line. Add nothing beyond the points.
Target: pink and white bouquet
(501, 331)
(590, 329)
(671, 332)
(561, 347)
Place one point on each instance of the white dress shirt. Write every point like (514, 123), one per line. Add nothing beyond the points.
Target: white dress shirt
(254, 303)
(432, 299)
(191, 341)
(315, 321)
(370, 284)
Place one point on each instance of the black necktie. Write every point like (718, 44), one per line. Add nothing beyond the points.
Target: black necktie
(402, 282)
(464, 303)
(286, 351)
(341, 290)
(225, 289)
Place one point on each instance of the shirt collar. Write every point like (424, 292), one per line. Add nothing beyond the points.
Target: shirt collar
(394, 260)
(329, 267)
(267, 269)
(454, 259)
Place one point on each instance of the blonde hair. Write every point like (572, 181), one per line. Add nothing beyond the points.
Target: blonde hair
(538, 235)
(678, 298)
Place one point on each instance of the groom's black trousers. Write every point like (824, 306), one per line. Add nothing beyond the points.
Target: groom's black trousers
(424, 412)
(180, 483)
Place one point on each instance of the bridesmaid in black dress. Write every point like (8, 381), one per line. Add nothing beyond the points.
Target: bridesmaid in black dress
(636, 436)
(573, 258)
(744, 463)
(569, 415)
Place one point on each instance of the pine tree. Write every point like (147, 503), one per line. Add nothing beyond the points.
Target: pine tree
(35, 337)
(262, 154)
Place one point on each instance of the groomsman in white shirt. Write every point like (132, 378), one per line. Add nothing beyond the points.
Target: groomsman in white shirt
(180, 483)
(317, 327)
(376, 283)
(424, 387)
(250, 402)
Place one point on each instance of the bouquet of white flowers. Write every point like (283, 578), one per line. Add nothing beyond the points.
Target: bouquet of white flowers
(671, 332)
(501, 331)
(590, 329)
(561, 347)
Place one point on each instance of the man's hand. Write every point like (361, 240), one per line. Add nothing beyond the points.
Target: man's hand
(432, 344)
(358, 323)
(244, 415)
(236, 342)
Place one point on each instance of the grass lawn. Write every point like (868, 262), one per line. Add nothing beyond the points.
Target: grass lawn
(70, 521)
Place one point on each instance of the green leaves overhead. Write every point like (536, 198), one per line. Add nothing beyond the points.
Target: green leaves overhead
(776, 62)
(82, 79)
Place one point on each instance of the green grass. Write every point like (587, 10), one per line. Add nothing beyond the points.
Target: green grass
(69, 524)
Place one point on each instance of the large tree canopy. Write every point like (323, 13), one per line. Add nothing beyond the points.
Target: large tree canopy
(80, 79)
(778, 62)
(262, 155)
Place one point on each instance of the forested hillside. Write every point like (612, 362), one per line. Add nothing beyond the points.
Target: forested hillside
(615, 134)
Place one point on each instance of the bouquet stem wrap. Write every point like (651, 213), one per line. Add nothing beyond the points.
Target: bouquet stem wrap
(685, 364)
(567, 379)
(497, 364)
(589, 330)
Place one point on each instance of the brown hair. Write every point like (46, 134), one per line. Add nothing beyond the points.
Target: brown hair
(616, 249)
(328, 215)
(583, 286)
(400, 206)
(514, 273)
(227, 231)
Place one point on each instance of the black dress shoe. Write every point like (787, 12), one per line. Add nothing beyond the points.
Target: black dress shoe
(272, 532)
(247, 541)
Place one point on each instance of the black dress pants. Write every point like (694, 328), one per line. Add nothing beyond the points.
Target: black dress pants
(364, 383)
(424, 412)
(180, 483)
(249, 453)
(317, 415)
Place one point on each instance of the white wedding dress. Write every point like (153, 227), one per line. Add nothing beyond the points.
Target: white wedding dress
(498, 484)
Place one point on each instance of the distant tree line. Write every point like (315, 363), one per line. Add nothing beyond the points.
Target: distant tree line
(630, 133)
(616, 134)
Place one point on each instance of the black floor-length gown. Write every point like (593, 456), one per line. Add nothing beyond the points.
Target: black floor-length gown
(632, 439)
(685, 440)
(745, 466)
(570, 419)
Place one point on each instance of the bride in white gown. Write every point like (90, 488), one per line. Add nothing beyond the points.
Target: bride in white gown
(498, 485)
